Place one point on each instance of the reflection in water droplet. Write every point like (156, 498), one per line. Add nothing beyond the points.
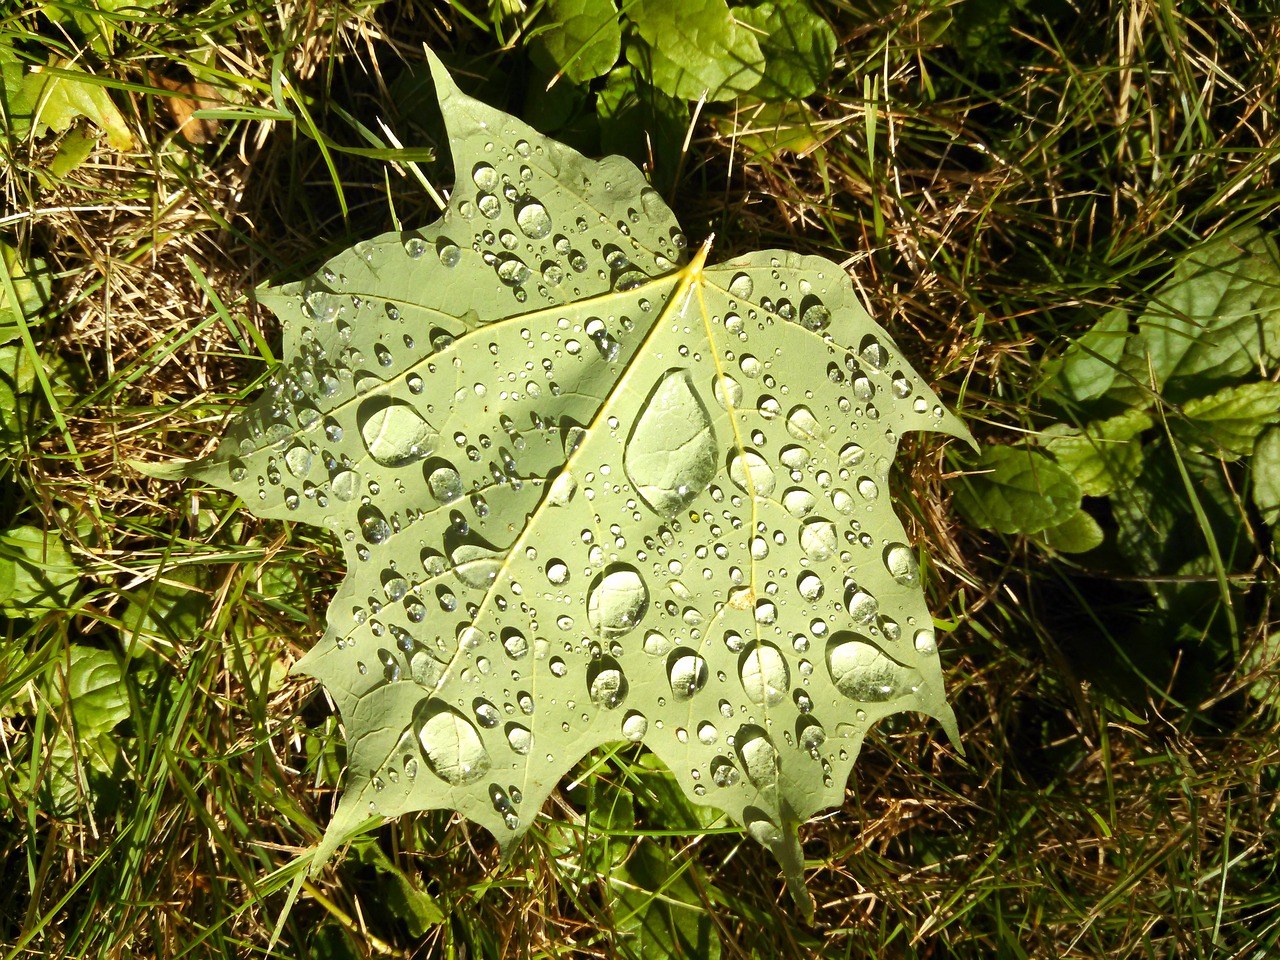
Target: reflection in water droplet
(925, 643)
(345, 485)
(863, 607)
(520, 738)
(395, 433)
(515, 643)
(298, 460)
(448, 252)
(557, 571)
(751, 473)
(802, 424)
(373, 525)
(810, 586)
(764, 674)
(818, 539)
(486, 713)
(445, 484)
(670, 456)
(533, 219)
(607, 685)
(634, 726)
(723, 772)
(656, 644)
(617, 601)
(741, 285)
(759, 756)
(707, 733)
(451, 744)
(687, 673)
(862, 671)
(901, 563)
(799, 503)
(727, 391)
(815, 316)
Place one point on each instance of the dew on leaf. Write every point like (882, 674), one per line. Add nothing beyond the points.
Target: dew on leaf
(656, 644)
(707, 733)
(515, 643)
(862, 671)
(723, 772)
(395, 433)
(606, 684)
(451, 744)
(799, 502)
(901, 564)
(670, 456)
(810, 586)
(802, 424)
(444, 483)
(486, 713)
(751, 473)
(617, 601)
(634, 726)
(764, 674)
(741, 285)
(533, 219)
(520, 738)
(373, 525)
(862, 607)
(759, 756)
(687, 672)
(925, 643)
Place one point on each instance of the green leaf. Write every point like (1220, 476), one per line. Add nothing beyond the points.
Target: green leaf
(1103, 455)
(643, 124)
(1017, 489)
(1215, 322)
(798, 47)
(694, 48)
(1090, 365)
(403, 897)
(590, 489)
(662, 907)
(1264, 472)
(584, 38)
(1227, 422)
(1079, 534)
(32, 284)
(94, 688)
(37, 572)
(53, 97)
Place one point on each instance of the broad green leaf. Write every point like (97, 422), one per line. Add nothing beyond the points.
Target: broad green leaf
(590, 489)
(584, 38)
(660, 907)
(53, 97)
(1264, 472)
(1078, 534)
(798, 47)
(1017, 489)
(1089, 366)
(37, 571)
(1103, 454)
(92, 684)
(401, 894)
(1215, 322)
(1226, 423)
(31, 282)
(641, 122)
(694, 48)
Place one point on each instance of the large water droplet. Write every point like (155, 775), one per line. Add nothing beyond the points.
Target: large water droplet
(656, 644)
(395, 433)
(862, 671)
(741, 285)
(617, 601)
(723, 772)
(452, 745)
(758, 755)
(533, 219)
(606, 683)
(687, 673)
(802, 424)
(298, 460)
(751, 473)
(799, 502)
(475, 565)
(901, 563)
(863, 607)
(635, 726)
(373, 525)
(670, 456)
(818, 539)
(444, 483)
(765, 676)
(520, 738)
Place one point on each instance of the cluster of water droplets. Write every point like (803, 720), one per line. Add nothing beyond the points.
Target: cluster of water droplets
(557, 543)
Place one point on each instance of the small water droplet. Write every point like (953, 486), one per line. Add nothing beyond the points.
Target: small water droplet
(617, 601)
(741, 285)
(635, 726)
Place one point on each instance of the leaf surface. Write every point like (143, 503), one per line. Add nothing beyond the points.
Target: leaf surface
(695, 48)
(1017, 489)
(591, 489)
(584, 37)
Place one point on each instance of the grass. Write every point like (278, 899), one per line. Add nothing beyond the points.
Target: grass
(995, 188)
